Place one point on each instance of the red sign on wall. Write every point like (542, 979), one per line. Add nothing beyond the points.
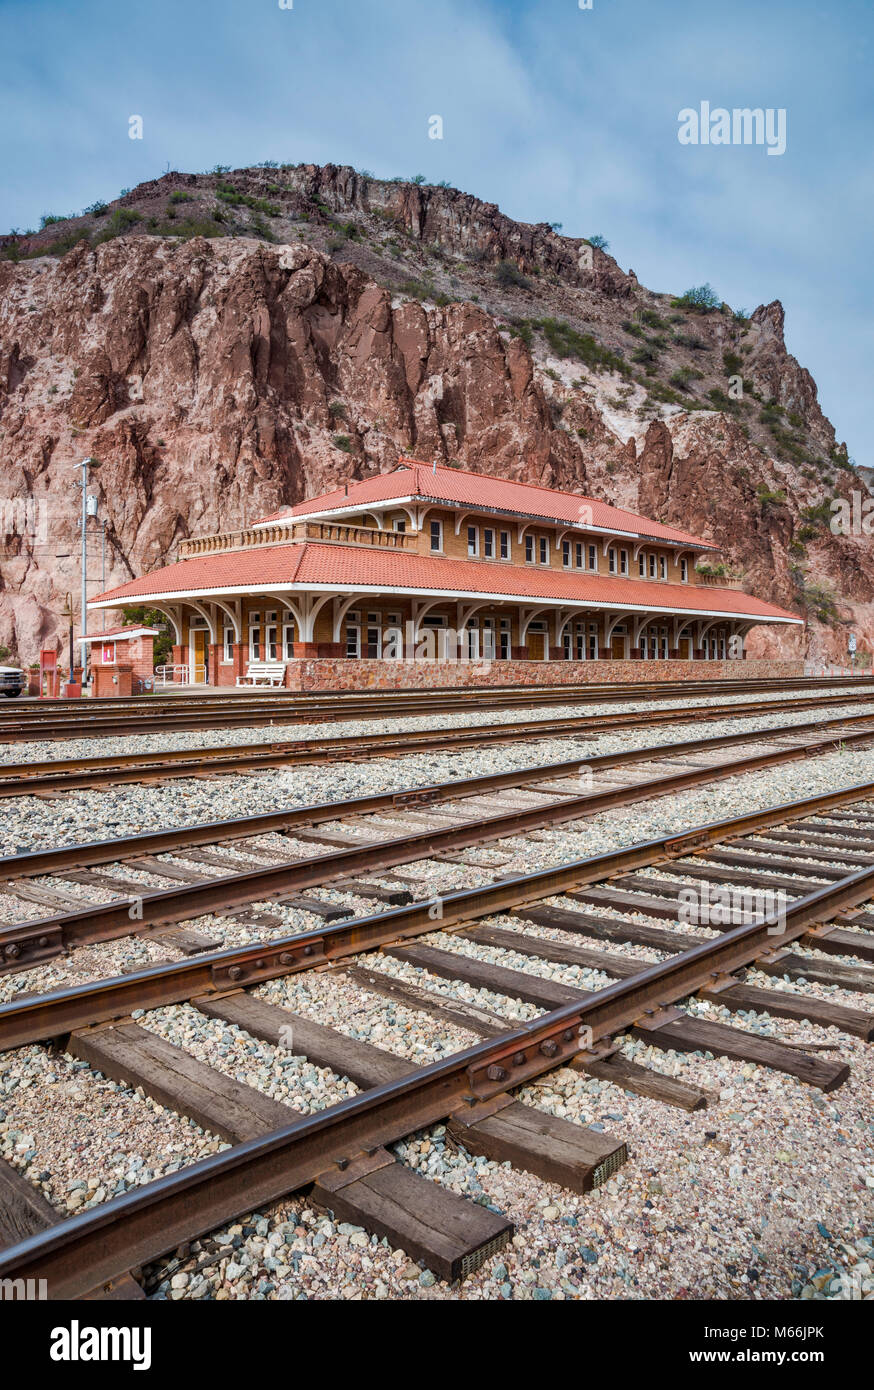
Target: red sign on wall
(108, 657)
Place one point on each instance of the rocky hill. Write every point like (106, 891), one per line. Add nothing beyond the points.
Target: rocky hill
(225, 343)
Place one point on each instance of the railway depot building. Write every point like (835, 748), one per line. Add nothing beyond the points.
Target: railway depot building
(431, 574)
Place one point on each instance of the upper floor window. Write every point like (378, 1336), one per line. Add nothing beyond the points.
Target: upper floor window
(652, 567)
(611, 560)
(436, 535)
(593, 557)
(473, 540)
(684, 571)
(578, 555)
(663, 567)
(529, 550)
(565, 553)
(399, 524)
(623, 562)
(641, 566)
(505, 545)
(544, 550)
(489, 543)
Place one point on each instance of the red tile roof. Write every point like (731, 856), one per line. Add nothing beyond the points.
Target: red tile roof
(354, 567)
(455, 485)
(127, 631)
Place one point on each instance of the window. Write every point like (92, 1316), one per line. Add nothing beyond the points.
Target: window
(623, 562)
(684, 571)
(593, 641)
(489, 544)
(288, 641)
(529, 550)
(504, 640)
(580, 645)
(473, 540)
(353, 635)
(566, 638)
(641, 566)
(593, 558)
(505, 545)
(227, 645)
(436, 535)
(399, 524)
(652, 567)
(471, 640)
(254, 636)
(488, 639)
(578, 555)
(565, 553)
(611, 560)
(544, 550)
(270, 650)
(373, 637)
(663, 567)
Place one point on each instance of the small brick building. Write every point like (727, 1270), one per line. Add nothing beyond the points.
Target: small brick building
(122, 660)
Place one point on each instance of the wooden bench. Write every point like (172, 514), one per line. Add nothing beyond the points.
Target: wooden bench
(263, 672)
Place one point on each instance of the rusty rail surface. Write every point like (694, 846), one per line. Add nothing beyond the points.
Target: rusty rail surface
(31, 941)
(69, 774)
(91, 718)
(99, 1245)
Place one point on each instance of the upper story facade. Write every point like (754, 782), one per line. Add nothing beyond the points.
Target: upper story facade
(450, 513)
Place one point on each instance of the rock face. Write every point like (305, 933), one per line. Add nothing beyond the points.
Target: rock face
(218, 377)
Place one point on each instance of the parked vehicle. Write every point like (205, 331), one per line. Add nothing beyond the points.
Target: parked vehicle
(12, 681)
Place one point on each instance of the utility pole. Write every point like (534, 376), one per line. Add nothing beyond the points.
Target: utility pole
(89, 508)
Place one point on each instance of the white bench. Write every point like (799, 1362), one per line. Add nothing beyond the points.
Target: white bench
(263, 673)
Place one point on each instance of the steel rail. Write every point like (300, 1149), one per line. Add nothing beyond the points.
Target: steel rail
(99, 1245)
(32, 941)
(69, 774)
(34, 1018)
(57, 724)
(207, 696)
(32, 862)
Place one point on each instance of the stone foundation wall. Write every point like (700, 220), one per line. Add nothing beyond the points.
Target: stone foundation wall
(323, 673)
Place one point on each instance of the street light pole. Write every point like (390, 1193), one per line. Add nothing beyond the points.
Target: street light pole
(86, 511)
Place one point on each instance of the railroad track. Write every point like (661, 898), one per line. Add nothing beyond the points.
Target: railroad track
(818, 852)
(99, 718)
(357, 836)
(68, 774)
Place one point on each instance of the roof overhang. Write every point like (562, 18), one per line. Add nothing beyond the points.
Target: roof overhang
(456, 595)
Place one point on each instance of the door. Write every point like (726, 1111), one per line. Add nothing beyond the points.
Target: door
(617, 644)
(535, 646)
(198, 655)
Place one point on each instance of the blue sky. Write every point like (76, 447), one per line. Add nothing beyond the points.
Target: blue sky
(553, 112)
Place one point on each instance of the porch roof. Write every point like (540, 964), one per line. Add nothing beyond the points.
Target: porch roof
(310, 567)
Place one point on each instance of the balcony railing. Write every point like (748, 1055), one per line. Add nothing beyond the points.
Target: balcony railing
(288, 532)
(720, 581)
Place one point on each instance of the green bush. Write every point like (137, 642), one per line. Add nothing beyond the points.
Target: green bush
(343, 442)
(567, 342)
(508, 274)
(701, 298)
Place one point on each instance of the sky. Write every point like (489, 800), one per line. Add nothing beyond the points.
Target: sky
(555, 112)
